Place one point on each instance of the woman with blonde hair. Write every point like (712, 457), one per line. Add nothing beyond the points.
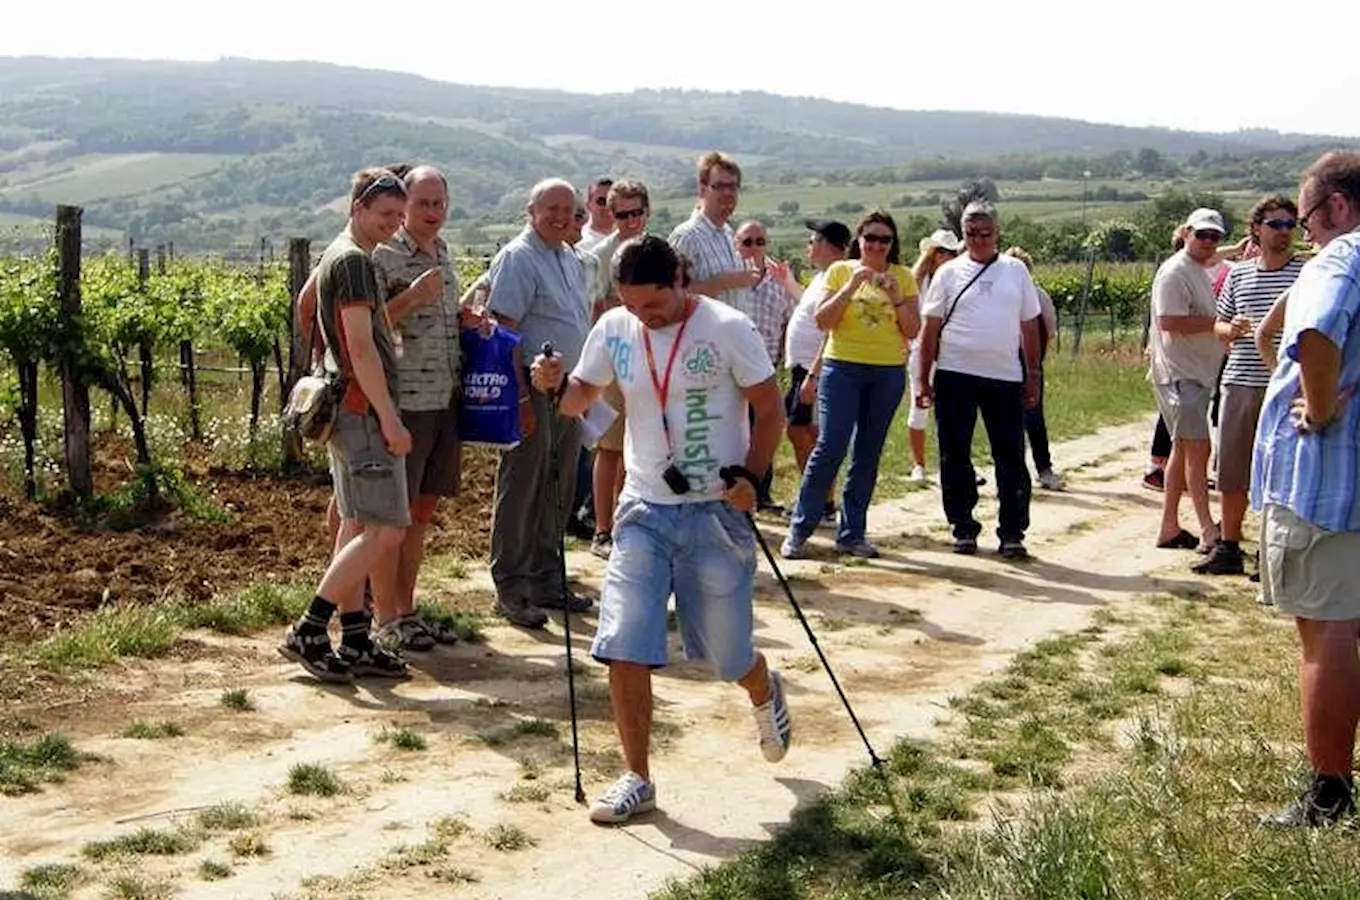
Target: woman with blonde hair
(935, 250)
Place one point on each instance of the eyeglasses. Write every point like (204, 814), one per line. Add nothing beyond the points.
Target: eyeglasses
(753, 242)
(979, 235)
(1303, 219)
(383, 184)
(580, 215)
(626, 214)
(600, 201)
(1209, 235)
(1281, 224)
(723, 186)
(884, 239)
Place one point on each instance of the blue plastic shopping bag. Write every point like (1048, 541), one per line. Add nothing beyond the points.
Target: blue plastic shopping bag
(489, 413)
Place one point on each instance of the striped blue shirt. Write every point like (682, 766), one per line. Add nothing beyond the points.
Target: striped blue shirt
(1315, 475)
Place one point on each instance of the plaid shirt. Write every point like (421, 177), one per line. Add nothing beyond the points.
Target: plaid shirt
(768, 306)
(710, 251)
(429, 363)
(1315, 475)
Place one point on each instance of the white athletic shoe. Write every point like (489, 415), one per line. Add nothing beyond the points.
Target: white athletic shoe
(624, 798)
(918, 475)
(1051, 480)
(773, 723)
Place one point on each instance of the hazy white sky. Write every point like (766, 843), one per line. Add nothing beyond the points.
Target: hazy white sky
(1216, 67)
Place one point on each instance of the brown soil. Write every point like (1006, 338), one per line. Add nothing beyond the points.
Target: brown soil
(56, 565)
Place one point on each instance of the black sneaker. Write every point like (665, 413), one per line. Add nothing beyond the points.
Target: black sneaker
(373, 661)
(1013, 549)
(566, 600)
(1326, 802)
(521, 612)
(965, 546)
(313, 652)
(1224, 559)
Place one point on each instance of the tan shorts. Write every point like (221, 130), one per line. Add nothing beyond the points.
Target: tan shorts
(370, 483)
(613, 438)
(1307, 572)
(1237, 414)
(1184, 406)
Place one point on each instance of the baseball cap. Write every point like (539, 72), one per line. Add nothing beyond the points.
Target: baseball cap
(833, 232)
(942, 238)
(1204, 219)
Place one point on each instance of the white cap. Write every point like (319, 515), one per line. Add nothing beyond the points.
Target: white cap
(942, 238)
(1204, 219)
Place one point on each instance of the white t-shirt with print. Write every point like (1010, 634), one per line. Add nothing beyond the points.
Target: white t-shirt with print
(803, 338)
(982, 336)
(720, 355)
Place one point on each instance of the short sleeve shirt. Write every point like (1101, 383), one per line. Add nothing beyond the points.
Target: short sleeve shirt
(982, 335)
(430, 354)
(1182, 288)
(705, 425)
(867, 332)
(711, 252)
(543, 289)
(1251, 291)
(346, 277)
(804, 338)
(768, 306)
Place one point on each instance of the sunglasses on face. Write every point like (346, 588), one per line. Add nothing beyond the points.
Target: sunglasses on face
(1281, 224)
(1212, 237)
(884, 239)
(753, 242)
(626, 214)
(384, 184)
(580, 215)
(723, 186)
(600, 201)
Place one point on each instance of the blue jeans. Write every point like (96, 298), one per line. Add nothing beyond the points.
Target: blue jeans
(705, 554)
(854, 401)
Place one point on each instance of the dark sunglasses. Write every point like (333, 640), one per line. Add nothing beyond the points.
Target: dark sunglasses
(627, 214)
(1281, 224)
(580, 215)
(600, 201)
(884, 239)
(384, 184)
(979, 235)
(753, 242)
(1206, 234)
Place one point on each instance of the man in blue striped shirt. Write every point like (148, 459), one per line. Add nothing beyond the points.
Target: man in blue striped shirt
(1304, 477)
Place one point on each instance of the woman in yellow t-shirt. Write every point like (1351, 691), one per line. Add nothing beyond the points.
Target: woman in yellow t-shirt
(869, 312)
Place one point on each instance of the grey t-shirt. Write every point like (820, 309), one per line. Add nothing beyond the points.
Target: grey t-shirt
(543, 289)
(1182, 288)
(346, 277)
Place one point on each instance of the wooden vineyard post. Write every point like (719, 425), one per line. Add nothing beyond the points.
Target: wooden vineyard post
(75, 395)
(144, 348)
(1085, 297)
(299, 266)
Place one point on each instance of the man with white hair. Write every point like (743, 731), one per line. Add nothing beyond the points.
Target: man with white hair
(538, 288)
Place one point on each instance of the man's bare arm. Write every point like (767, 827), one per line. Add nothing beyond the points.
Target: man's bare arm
(768, 430)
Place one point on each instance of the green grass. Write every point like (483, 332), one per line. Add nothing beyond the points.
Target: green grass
(250, 609)
(508, 838)
(313, 780)
(228, 817)
(526, 793)
(238, 700)
(248, 844)
(403, 739)
(52, 881)
(130, 887)
(467, 625)
(212, 870)
(537, 728)
(102, 176)
(143, 842)
(26, 766)
(152, 731)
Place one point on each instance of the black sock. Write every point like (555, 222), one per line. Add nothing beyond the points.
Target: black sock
(1230, 546)
(354, 630)
(317, 617)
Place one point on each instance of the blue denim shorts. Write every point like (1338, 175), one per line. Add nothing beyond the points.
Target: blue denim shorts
(704, 554)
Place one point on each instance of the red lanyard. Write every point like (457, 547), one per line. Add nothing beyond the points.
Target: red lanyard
(662, 386)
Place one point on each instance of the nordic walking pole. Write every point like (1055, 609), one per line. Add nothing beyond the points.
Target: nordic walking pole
(555, 462)
(729, 477)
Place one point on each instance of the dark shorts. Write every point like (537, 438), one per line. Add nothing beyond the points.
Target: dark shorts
(435, 464)
(800, 414)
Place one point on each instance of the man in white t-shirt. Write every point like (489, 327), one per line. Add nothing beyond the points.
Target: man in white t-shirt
(982, 306)
(688, 366)
(828, 241)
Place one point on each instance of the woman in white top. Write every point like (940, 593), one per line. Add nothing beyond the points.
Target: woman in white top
(936, 250)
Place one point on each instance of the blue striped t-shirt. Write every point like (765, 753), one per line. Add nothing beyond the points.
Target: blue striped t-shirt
(1315, 475)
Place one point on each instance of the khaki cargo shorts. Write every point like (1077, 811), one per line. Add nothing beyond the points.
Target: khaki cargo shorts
(370, 483)
(1307, 572)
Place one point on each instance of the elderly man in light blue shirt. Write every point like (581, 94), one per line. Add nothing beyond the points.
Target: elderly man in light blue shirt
(1304, 479)
(538, 288)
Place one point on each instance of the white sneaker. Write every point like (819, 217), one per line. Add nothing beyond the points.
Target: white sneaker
(792, 549)
(624, 798)
(918, 475)
(773, 723)
(1051, 480)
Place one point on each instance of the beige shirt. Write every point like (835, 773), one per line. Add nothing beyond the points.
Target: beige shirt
(1182, 288)
(429, 364)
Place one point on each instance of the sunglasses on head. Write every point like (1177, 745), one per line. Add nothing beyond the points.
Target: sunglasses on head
(753, 242)
(627, 214)
(884, 239)
(1281, 224)
(384, 184)
(1206, 234)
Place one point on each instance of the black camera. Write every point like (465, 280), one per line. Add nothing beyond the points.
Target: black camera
(676, 480)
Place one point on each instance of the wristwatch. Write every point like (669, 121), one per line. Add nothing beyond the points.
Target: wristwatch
(1312, 426)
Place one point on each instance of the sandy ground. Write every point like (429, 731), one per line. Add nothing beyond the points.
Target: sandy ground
(904, 633)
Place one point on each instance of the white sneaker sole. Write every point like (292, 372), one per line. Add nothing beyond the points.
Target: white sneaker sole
(606, 815)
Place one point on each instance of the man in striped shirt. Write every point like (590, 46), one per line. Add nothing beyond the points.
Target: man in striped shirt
(1304, 479)
(706, 238)
(1250, 289)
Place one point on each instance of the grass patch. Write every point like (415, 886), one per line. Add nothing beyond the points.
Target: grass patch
(467, 625)
(532, 792)
(143, 842)
(228, 817)
(26, 766)
(403, 739)
(212, 870)
(248, 845)
(507, 838)
(111, 633)
(536, 728)
(152, 731)
(312, 780)
(52, 881)
(130, 887)
(251, 608)
(238, 700)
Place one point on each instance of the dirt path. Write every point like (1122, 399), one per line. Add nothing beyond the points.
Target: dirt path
(904, 634)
